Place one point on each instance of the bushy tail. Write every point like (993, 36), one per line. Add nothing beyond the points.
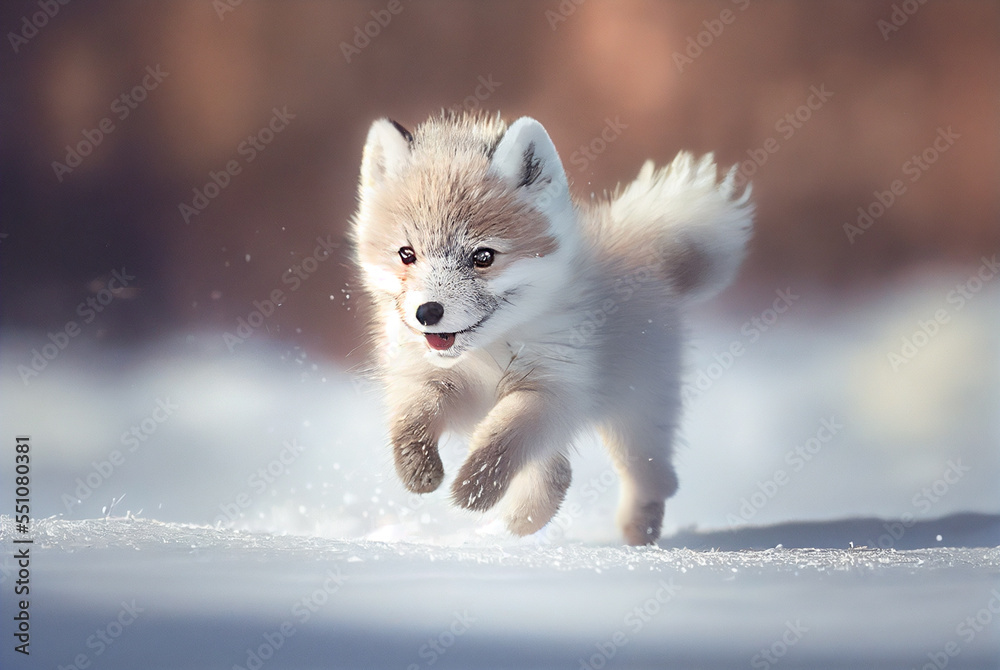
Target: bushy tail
(698, 225)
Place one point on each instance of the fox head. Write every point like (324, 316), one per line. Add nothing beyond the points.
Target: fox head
(465, 229)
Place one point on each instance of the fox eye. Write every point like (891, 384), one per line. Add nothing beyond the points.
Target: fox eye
(483, 258)
(407, 255)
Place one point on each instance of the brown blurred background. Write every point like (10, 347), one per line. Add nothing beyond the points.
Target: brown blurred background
(571, 66)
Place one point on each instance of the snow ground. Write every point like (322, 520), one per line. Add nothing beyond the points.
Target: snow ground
(263, 475)
(196, 597)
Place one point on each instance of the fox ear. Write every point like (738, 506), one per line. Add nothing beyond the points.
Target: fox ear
(526, 158)
(386, 150)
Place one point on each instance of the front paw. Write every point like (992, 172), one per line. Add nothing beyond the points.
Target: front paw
(418, 465)
(483, 479)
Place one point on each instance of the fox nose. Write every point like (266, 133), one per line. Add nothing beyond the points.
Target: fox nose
(430, 313)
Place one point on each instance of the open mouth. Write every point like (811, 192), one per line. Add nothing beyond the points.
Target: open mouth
(440, 341)
(445, 341)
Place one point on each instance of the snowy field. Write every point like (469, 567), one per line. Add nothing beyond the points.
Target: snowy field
(172, 596)
(196, 508)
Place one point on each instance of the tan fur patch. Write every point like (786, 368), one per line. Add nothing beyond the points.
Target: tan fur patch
(686, 268)
(440, 209)
(447, 199)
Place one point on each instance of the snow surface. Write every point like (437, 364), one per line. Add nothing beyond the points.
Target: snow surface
(266, 487)
(207, 598)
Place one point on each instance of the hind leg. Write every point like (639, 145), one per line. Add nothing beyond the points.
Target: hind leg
(642, 454)
(536, 493)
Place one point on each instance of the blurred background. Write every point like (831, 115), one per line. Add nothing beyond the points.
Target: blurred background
(166, 167)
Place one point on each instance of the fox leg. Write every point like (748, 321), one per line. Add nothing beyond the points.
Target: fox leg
(536, 494)
(641, 455)
(415, 452)
(416, 426)
(520, 429)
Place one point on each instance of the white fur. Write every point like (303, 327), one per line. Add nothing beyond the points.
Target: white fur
(385, 155)
(584, 335)
(379, 278)
(528, 135)
(386, 152)
(684, 204)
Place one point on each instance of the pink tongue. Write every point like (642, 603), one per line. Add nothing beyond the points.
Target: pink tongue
(440, 341)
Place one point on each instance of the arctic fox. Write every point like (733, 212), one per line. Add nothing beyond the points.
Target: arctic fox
(510, 311)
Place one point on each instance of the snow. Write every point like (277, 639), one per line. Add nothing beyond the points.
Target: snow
(207, 596)
(229, 495)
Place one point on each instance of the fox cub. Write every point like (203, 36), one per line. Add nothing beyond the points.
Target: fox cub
(509, 310)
